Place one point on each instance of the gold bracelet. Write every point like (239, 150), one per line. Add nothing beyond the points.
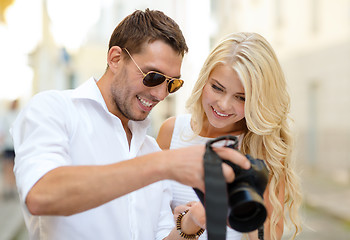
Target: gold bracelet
(184, 235)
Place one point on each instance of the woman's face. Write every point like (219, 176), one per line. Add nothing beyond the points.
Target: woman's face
(223, 99)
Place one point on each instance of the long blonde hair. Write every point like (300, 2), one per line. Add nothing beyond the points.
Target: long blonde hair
(267, 107)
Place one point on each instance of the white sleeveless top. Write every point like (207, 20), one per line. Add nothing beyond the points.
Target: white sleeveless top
(183, 136)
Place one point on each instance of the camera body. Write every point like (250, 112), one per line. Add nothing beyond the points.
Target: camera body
(246, 209)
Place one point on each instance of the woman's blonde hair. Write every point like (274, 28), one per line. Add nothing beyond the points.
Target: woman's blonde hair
(267, 105)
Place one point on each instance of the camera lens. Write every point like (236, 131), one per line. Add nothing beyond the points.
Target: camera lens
(247, 211)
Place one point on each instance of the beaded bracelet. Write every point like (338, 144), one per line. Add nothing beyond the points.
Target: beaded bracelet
(184, 235)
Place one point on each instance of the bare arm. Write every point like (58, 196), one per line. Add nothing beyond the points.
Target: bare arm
(73, 189)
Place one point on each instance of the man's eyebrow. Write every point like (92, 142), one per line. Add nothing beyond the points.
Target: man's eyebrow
(148, 69)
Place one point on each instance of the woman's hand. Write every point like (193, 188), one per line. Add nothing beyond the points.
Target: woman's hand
(194, 218)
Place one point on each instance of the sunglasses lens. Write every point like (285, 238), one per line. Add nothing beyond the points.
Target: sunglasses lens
(153, 79)
(174, 85)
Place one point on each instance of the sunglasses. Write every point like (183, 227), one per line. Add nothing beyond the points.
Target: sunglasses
(153, 78)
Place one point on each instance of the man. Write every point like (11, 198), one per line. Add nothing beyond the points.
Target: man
(84, 166)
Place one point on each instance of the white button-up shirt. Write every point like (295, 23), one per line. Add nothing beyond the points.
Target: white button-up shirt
(74, 127)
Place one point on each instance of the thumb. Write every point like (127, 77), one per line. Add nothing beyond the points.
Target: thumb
(228, 173)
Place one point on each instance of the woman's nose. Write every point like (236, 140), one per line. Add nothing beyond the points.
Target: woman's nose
(225, 103)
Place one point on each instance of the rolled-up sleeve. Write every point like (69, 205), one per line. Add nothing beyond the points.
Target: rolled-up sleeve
(41, 139)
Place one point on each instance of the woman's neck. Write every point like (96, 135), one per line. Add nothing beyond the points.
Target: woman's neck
(210, 131)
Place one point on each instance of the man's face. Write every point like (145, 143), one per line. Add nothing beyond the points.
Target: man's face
(131, 98)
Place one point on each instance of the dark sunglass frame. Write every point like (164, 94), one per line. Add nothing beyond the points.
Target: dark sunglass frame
(153, 78)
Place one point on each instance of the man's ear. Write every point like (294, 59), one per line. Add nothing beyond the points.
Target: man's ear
(114, 55)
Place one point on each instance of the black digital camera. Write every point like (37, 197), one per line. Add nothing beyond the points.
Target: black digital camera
(246, 209)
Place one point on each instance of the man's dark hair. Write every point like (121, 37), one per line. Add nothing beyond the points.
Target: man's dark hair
(147, 26)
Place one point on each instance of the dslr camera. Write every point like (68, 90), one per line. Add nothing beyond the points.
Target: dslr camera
(246, 209)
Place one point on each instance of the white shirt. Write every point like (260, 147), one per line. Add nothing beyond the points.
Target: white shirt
(74, 127)
(183, 136)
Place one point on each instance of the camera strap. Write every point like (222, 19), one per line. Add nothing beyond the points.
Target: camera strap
(215, 198)
(261, 232)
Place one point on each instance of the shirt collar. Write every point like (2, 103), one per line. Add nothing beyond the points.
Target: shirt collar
(89, 90)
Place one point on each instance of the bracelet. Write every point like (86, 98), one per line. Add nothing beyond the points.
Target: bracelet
(184, 235)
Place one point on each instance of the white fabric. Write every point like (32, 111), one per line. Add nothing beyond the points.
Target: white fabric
(184, 136)
(74, 127)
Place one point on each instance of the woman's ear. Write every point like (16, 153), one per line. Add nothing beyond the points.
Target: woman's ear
(114, 55)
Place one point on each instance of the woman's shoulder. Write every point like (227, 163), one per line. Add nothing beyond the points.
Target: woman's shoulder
(171, 123)
(168, 124)
(165, 133)
(171, 126)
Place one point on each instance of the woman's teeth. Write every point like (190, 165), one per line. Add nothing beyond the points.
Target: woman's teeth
(220, 114)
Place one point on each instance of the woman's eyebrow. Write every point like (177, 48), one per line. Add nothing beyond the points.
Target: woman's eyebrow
(218, 83)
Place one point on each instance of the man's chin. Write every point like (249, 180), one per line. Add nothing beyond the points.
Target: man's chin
(141, 117)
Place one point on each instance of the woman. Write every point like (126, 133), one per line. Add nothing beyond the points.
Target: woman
(241, 91)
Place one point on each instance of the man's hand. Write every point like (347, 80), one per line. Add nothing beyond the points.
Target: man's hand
(186, 164)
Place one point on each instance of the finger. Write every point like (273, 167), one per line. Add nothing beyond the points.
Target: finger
(228, 172)
(179, 209)
(190, 204)
(233, 156)
(197, 213)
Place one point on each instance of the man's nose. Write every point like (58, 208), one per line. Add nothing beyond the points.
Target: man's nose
(160, 92)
